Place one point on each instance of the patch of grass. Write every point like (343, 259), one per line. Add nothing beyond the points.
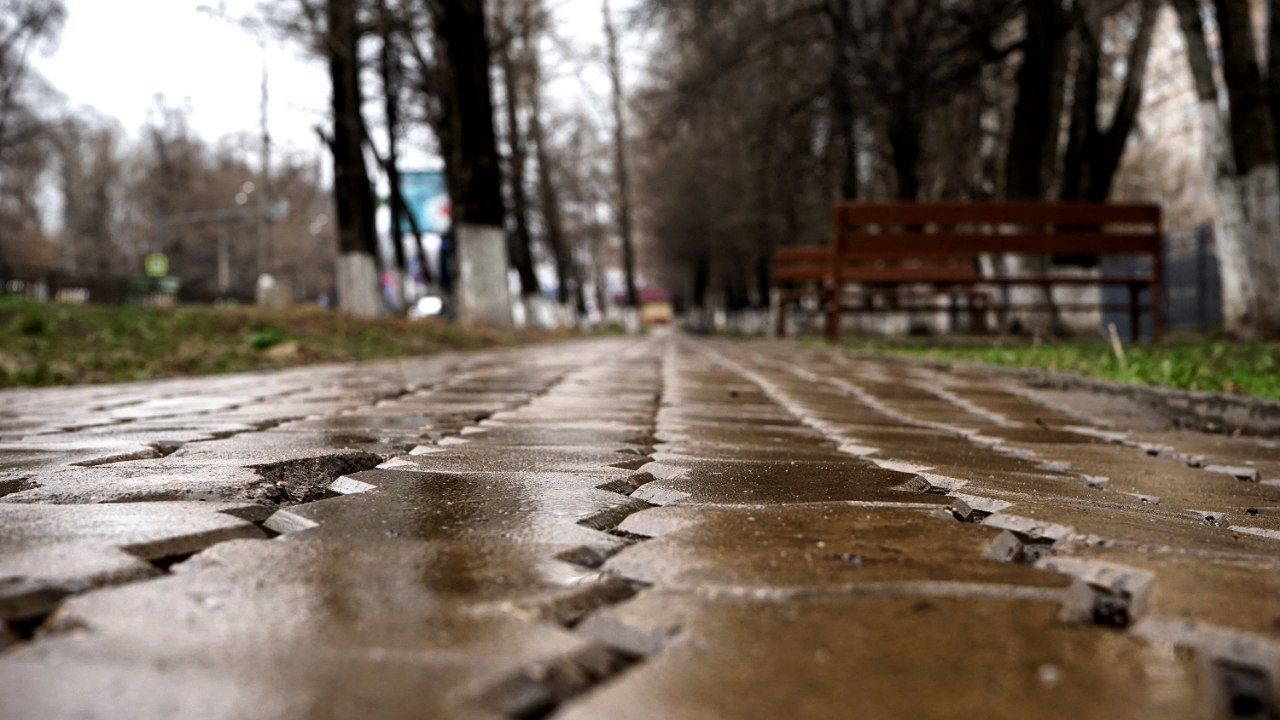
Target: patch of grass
(266, 337)
(58, 344)
(1207, 365)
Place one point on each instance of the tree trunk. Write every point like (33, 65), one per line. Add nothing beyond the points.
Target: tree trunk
(389, 72)
(548, 193)
(1245, 198)
(1082, 135)
(904, 145)
(519, 243)
(1273, 65)
(1031, 158)
(1105, 159)
(353, 196)
(482, 295)
(1253, 141)
(843, 123)
(1031, 155)
(620, 160)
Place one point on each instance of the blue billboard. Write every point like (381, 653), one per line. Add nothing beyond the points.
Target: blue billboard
(427, 196)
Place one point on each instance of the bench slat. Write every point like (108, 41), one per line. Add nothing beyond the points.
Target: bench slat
(1038, 280)
(857, 214)
(802, 273)
(866, 245)
(910, 275)
(803, 253)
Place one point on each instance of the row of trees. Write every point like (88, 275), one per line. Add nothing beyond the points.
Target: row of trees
(79, 197)
(173, 192)
(112, 200)
(525, 183)
(520, 193)
(764, 112)
(26, 27)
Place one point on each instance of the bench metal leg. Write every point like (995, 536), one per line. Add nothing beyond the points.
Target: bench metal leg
(1135, 314)
(977, 314)
(780, 308)
(835, 305)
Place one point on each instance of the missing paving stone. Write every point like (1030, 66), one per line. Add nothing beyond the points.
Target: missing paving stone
(9, 486)
(609, 519)
(1243, 691)
(585, 556)
(635, 464)
(539, 690)
(22, 630)
(307, 479)
(629, 485)
(569, 610)
(148, 451)
(166, 563)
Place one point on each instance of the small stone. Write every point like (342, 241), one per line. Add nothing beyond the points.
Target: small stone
(1239, 472)
(1049, 675)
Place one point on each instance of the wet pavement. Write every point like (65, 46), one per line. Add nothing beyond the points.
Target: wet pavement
(616, 528)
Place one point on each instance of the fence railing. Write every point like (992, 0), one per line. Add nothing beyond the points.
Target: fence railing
(1192, 283)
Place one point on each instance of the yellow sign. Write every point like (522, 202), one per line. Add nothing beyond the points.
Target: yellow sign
(156, 264)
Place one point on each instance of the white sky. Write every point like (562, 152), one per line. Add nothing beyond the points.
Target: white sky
(117, 56)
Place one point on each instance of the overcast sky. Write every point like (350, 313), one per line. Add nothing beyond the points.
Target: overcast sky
(117, 56)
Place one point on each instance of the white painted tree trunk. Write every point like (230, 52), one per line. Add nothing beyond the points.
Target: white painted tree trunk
(358, 285)
(1229, 224)
(483, 296)
(1261, 192)
(1246, 233)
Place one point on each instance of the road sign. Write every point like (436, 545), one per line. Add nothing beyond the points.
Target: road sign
(427, 196)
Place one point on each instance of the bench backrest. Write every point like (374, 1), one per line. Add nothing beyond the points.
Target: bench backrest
(803, 262)
(962, 231)
(941, 242)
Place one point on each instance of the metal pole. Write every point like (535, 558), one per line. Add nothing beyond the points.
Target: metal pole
(1202, 277)
(224, 263)
(265, 259)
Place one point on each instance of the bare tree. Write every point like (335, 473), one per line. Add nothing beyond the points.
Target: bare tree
(620, 159)
(26, 135)
(569, 280)
(24, 26)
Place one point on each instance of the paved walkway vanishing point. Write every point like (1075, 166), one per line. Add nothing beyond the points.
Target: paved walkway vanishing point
(618, 528)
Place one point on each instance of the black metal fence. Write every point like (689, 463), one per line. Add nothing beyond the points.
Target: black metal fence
(1192, 284)
(44, 284)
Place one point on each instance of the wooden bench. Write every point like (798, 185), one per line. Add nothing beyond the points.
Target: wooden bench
(906, 256)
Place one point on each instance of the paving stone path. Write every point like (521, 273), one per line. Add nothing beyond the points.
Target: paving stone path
(663, 527)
